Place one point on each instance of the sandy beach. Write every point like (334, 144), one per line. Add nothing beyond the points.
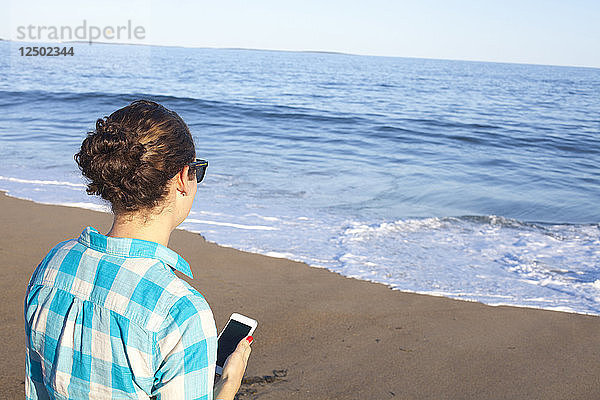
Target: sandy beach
(324, 336)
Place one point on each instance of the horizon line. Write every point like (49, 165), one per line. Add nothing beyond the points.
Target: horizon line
(307, 51)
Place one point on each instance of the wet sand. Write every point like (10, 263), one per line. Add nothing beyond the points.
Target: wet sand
(324, 336)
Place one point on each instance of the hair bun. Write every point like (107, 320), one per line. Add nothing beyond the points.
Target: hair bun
(110, 158)
(103, 125)
(131, 155)
(112, 141)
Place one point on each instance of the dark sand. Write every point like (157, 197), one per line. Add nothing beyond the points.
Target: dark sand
(323, 336)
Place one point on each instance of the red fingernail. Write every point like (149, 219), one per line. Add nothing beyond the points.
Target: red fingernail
(249, 339)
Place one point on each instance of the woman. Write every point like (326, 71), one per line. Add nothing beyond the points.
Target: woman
(105, 315)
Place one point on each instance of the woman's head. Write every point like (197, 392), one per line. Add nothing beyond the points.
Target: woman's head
(133, 155)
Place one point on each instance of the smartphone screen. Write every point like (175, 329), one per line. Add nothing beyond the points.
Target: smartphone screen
(229, 339)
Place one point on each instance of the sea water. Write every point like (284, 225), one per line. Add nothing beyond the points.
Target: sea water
(477, 181)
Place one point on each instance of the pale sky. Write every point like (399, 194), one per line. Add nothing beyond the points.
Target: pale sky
(556, 32)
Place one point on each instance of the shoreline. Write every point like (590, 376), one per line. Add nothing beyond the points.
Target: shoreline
(106, 210)
(322, 335)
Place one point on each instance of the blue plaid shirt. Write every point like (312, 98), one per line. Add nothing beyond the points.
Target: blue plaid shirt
(108, 318)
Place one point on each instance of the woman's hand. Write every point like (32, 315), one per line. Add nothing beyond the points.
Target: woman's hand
(233, 371)
(236, 363)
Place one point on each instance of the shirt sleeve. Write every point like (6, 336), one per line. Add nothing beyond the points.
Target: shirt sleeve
(186, 352)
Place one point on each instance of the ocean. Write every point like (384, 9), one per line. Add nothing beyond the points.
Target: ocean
(471, 180)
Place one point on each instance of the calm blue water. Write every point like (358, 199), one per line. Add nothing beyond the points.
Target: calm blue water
(471, 180)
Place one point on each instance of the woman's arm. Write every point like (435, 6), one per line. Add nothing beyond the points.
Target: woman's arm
(233, 371)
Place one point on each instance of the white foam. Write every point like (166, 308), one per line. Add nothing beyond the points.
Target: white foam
(202, 212)
(231, 225)
(278, 255)
(272, 219)
(87, 206)
(43, 182)
(479, 258)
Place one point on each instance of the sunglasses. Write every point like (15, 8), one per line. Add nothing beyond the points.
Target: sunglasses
(199, 167)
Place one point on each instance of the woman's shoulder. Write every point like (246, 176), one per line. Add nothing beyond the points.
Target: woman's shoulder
(52, 261)
(187, 298)
(189, 310)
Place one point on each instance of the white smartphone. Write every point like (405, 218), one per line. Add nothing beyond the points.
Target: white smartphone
(237, 328)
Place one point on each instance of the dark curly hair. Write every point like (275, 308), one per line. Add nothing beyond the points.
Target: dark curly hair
(132, 154)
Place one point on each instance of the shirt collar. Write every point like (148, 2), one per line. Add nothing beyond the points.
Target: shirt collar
(127, 247)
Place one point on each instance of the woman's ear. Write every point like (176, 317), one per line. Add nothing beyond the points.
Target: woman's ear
(183, 181)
